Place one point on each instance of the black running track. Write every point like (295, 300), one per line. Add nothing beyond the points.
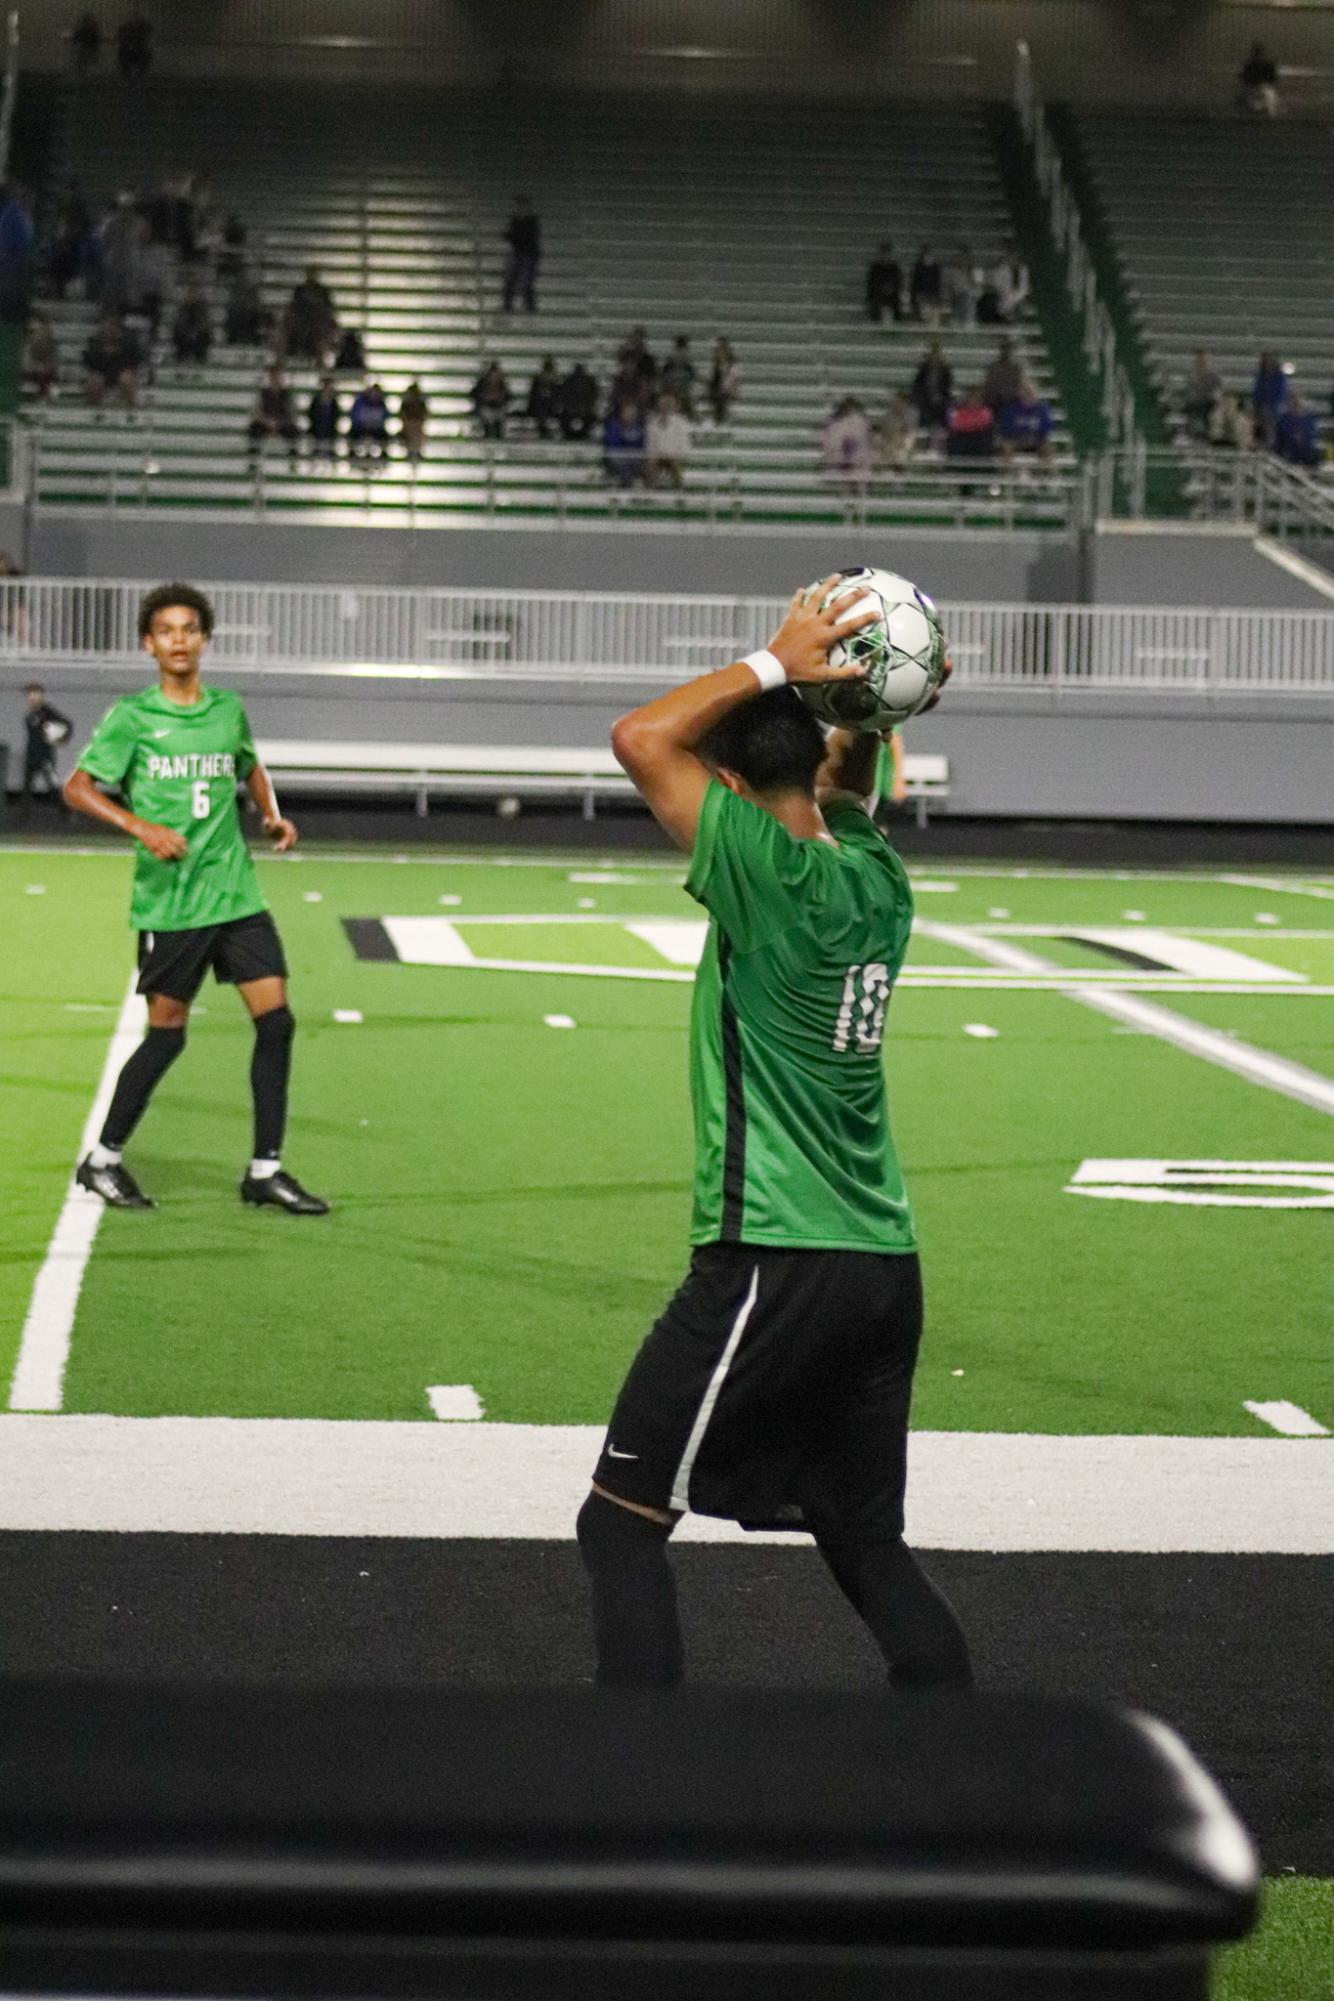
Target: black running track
(1232, 1650)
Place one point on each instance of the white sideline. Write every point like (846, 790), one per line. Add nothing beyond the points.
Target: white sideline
(38, 1382)
(966, 1490)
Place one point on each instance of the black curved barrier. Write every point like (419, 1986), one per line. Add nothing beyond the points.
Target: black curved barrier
(565, 1844)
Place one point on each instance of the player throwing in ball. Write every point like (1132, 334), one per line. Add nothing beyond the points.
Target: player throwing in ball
(775, 1388)
(176, 751)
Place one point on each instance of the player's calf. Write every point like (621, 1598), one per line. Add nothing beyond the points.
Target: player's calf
(265, 1184)
(635, 1623)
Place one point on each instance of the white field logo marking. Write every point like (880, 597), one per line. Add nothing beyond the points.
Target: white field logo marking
(1209, 1184)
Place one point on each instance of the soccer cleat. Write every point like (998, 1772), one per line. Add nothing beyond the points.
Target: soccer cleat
(116, 1185)
(282, 1191)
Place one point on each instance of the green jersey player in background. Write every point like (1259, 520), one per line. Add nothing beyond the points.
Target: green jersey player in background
(176, 752)
(774, 1389)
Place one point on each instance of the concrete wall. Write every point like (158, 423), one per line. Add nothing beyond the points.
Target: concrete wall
(1020, 755)
(971, 568)
(1220, 567)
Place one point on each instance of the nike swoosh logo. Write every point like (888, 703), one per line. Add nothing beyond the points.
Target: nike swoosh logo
(160, 733)
(612, 1453)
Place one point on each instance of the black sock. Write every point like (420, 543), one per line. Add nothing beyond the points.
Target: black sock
(269, 1067)
(912, 1623)
(136, 1082)
(635, 1626)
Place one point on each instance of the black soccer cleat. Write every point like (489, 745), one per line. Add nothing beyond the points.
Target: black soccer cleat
(282, 1191)
(116, 1185)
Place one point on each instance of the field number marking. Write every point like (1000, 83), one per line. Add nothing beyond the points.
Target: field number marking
(1209, 1184)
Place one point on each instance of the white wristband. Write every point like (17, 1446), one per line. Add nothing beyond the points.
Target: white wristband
(768, 670)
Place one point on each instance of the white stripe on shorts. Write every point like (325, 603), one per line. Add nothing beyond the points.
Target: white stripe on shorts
(681, 1484)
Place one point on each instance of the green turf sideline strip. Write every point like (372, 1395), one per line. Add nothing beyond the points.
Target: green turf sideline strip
(1258, 1066)
(966, 1490)
(38, 1382)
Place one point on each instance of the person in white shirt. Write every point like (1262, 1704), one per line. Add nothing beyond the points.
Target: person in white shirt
(667, 443)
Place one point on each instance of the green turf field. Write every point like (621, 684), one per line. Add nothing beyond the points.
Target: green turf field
(511, 1196)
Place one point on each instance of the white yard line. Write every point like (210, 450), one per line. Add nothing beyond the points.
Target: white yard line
(1282, 884)
(966, 1490)
(39, 1374)
(1258, 1066)
(1288, 1418)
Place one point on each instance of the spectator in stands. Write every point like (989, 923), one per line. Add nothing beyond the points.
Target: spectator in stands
(623, 440)
(350, 353)
(85, 43)
(324, 414)
(1298, 436)
(523, 235)
(578, 403)
(121, 241)
(970, 432)
(543, 406)
(273, 416)
(134, 46)
(845, 445)
(1009, 281)
(1257, 83)
(246, 320)
(311, 322)
(1026, 426)
(667, 440)
(1269, 396)
(113, 362)
(191, 328)
(231, 250)
(413, 411)
(41, 357)
(628, 385)
(1199, 395)
(17, 237)
(962, 283)
(884, 285)
(897, 433)
(490, 399)
(635, 361)
(1004, 378)
(66, 260)
(932, 387)
(928, 287)
(724, 380)
(1231, 425)
(368, 425)
(678, 375)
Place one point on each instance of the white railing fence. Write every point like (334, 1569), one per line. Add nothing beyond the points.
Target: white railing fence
(1100, 346)
(356, 634)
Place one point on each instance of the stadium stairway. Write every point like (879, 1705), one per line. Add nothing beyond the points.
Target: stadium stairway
(709, 218)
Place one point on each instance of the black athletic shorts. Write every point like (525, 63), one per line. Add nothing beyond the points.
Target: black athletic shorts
(774, 1391)
(175, 962)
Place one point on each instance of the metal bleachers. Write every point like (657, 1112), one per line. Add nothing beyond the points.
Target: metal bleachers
(1225, 239)
(748, 220)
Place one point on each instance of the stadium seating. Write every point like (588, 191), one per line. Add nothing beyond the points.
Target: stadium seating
(733, 222)
(1239, 259)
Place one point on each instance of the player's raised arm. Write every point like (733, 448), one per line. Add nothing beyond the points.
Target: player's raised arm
(82, 795)
(658, 744)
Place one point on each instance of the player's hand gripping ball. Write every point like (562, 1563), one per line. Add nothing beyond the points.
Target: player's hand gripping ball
(902, 652)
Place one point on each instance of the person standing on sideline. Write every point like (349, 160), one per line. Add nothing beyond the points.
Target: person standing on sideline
(523, 234)
(44, 730)
(774, 1390)
(177, 752)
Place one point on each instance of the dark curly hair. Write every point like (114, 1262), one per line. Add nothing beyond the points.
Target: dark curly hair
(167, 595)
(773, 742)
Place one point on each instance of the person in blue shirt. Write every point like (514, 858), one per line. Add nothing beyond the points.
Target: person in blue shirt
(1026, 425)
(1269, 397)
(623, 444)
(1298, 434)
(368, 425)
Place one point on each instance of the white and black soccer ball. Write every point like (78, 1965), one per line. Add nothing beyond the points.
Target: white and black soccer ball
(903, 653)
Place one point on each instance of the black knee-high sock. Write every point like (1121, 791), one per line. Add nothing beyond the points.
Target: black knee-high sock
(912, 1623)
(635, 1624)
(269, 1068)
(136, 1082)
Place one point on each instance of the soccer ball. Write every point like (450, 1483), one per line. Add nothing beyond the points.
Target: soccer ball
(903, 654)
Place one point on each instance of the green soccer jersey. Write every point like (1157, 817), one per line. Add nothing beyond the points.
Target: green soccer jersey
(179, 766)
(792, 1138)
